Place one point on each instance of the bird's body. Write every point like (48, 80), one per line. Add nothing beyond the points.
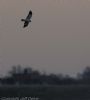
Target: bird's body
(27, 20)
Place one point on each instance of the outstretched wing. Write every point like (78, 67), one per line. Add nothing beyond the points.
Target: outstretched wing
(29, 15)
(26, 24)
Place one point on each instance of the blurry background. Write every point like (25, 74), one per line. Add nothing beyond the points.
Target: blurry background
(57, 40)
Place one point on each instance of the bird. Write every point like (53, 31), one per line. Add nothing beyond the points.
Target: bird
(27, 20)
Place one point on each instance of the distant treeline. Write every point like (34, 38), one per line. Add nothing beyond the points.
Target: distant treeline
(27, 76)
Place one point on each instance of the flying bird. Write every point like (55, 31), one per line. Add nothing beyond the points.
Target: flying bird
(27, 20)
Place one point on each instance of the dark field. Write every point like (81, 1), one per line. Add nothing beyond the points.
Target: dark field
(47, 92)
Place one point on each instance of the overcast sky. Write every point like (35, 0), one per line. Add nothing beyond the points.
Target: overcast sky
(57, 40)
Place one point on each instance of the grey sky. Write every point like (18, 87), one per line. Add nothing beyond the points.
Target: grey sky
(57, 40)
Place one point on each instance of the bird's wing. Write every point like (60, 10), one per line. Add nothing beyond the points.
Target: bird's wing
(29, 15)
(26, 24)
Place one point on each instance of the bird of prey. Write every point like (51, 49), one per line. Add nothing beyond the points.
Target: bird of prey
(27, 20)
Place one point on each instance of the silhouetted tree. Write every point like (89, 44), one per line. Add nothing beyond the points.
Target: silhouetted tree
(86, 73)
(27, 75)
(84, 77)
